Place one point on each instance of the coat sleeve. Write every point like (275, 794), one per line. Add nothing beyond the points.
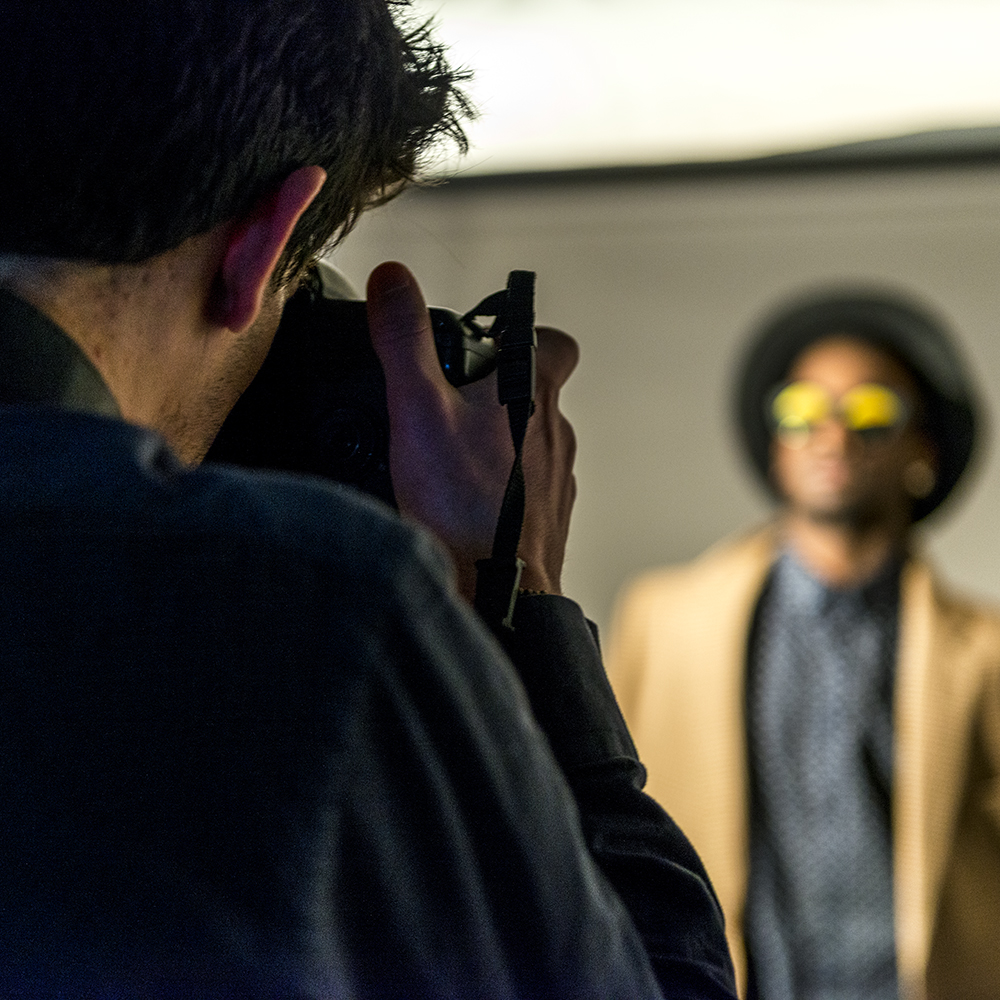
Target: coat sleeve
(641, 851)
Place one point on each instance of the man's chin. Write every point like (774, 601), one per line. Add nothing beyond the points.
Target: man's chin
(841, 512)
(835, 516)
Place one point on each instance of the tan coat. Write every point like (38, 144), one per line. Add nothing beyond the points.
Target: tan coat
(676, 655)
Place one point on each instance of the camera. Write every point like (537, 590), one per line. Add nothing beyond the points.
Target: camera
(318, 406)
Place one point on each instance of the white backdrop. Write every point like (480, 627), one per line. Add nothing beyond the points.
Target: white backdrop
(660, 281)
(565, 83)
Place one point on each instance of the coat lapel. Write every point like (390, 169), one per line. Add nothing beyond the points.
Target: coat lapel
(695, 719)
(934, 693)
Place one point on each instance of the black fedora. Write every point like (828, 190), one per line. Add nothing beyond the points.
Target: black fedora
(921, 342)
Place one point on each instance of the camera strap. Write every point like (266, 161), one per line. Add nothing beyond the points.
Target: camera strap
(497, 578)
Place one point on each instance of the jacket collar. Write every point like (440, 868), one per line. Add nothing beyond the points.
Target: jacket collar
(40, 363)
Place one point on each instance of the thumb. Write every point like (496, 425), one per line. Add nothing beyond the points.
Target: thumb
(400, 326)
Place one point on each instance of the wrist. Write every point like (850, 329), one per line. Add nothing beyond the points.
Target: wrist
(534, 581)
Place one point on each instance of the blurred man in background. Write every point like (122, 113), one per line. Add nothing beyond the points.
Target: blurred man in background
(816, 709)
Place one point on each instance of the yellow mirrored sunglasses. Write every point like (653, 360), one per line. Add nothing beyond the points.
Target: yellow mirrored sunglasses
(869, 410)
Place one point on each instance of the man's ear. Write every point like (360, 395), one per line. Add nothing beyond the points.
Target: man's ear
(254, 246)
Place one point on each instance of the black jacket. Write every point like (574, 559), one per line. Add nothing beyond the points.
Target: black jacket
(254, 746)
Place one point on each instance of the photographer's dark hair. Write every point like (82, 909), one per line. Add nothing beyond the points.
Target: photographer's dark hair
(129, 127)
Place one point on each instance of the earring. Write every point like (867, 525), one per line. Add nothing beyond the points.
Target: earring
(919, 478)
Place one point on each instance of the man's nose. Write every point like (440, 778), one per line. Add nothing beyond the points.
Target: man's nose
(832, 437)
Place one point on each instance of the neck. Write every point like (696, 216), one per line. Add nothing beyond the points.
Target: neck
(145, 330)
(843, 555)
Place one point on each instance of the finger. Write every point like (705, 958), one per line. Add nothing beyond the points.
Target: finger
(400, 326)
(558, 355)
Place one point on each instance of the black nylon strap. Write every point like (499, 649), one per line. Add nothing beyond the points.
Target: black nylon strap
(498, 577)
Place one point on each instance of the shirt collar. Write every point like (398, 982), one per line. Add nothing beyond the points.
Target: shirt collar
(40, 363)
(804, 590)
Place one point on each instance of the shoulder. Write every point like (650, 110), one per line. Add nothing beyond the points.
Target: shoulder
(689, 614)
(726, 571)
(121, 485)
(304, 516)
(966, 623)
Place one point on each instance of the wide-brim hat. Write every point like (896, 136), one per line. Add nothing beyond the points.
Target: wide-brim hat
(952, 414)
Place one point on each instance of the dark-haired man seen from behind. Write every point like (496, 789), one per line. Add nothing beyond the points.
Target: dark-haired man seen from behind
(255, 743)
(820, 713)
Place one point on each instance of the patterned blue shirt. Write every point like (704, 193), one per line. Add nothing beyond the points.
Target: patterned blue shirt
(819, 921)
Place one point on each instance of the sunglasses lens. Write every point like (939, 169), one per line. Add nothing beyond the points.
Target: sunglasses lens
(869, 410)
(872, 408)
(799, 407)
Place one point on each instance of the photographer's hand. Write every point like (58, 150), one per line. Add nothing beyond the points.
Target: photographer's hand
(450, 449)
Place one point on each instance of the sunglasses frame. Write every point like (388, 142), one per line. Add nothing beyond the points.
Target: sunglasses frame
(797, 436)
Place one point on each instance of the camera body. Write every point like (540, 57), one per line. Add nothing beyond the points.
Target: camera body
(318, 406)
